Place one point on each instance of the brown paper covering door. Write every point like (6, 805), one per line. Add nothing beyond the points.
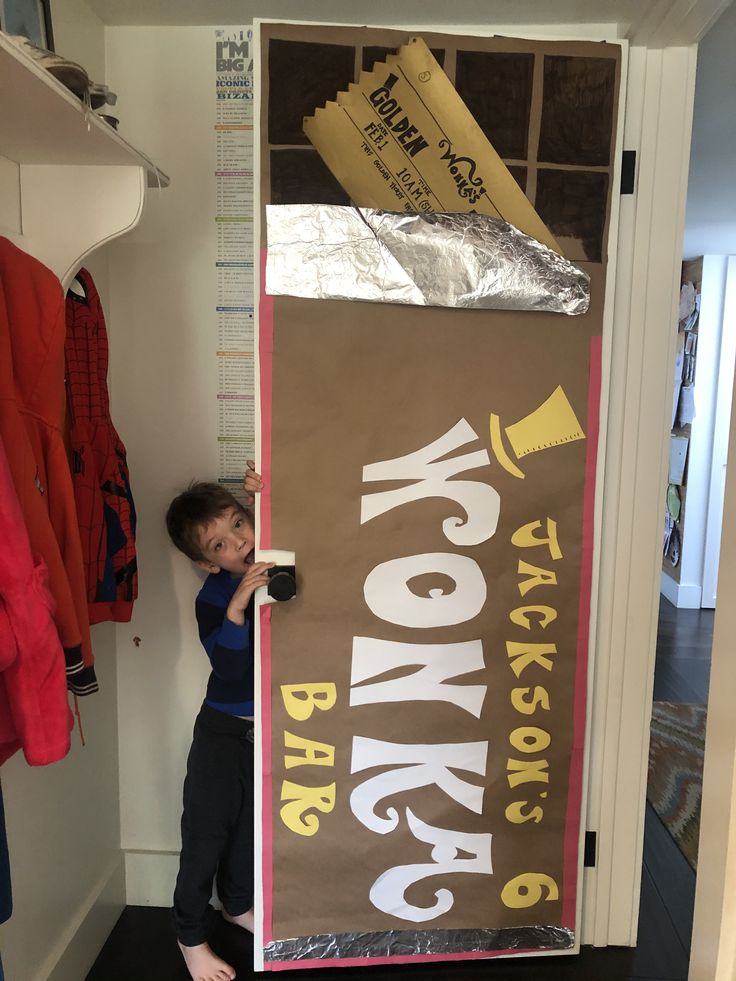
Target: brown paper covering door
(423, 697)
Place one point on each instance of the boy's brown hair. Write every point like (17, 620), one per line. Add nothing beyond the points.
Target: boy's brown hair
(193, 510)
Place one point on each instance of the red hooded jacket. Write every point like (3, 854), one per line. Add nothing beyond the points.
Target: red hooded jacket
(34, 712)
(32, 406)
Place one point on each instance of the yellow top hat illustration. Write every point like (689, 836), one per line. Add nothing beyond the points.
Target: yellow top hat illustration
(553, 423)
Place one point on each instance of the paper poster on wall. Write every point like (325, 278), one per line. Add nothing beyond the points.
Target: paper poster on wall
(422, 700)
(678, 458)
(679, 362)
(233, 137)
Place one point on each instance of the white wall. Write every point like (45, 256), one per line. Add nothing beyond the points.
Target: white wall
(710, 230)
(711, 198)
(688, 593)
(79, 35)
(711, 225)
(63, 836)
(713, 954)
(63, 820)
(723, 391)
(164, 398)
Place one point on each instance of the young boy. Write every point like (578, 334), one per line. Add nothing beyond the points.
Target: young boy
(209, 525)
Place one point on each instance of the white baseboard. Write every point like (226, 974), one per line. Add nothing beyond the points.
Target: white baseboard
(150, 877)
(77, 949)
(685, 596)
(689, 596)
(669, 588)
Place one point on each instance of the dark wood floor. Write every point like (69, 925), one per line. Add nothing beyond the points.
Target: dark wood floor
(142, 945)
(684, 641)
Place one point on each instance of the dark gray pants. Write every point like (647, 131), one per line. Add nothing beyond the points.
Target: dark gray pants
(216, 825)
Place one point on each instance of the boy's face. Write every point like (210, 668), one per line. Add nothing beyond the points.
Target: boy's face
(227, 543)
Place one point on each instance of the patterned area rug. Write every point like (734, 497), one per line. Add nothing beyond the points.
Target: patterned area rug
(676, 772)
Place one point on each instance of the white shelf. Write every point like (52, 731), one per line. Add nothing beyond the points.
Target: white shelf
(42, 122)
(68, 182)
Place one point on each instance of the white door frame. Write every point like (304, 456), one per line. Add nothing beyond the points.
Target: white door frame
(658, 125)
(722, 419)
(713, 953)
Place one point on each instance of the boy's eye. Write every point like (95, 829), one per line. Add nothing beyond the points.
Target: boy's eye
(218, 546)
(239, 522)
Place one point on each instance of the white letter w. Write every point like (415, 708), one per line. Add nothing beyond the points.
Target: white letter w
(480, 501)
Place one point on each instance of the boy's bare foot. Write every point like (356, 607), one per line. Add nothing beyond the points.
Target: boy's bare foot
(244, 920)
(204, 965)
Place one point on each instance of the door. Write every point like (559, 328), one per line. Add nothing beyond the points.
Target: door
(434, 471)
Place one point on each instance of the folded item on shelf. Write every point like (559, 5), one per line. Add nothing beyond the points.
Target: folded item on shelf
(71, 75)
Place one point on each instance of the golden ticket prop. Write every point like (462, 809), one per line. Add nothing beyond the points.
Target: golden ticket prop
(401, 139)
(422, 700)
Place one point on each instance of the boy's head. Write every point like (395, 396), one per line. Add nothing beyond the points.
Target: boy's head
(210, 526)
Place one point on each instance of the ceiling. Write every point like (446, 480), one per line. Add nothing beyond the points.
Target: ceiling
(653, 22)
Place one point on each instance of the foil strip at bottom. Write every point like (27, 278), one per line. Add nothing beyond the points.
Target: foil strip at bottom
(405, 943)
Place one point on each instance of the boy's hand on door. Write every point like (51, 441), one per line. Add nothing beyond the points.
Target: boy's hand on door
(253, 482)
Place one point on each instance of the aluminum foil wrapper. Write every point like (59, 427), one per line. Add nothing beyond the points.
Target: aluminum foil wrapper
(404, 943)
(443, 260)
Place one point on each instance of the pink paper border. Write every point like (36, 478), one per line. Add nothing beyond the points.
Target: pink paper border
(475, 955)
(575, 780)
(575, 777)
(265, 357)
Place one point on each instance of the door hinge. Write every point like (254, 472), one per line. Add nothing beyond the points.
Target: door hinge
(628, 171)
(589, 852)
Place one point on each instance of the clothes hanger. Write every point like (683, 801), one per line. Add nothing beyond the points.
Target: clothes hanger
(78, 288)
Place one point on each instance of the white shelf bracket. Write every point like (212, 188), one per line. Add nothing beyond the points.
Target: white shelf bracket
(69, 211)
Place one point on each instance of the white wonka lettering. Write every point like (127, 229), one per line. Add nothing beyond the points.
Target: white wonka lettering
(420, 766)
(436, 663)
(480, 501)
(389, 596)
(388, 891)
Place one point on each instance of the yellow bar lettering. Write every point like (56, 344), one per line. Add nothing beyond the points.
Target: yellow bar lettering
(516, 815)
(303, 799)
(526, 771)
(301, 700)
(525, 654)
(520, 616)
(537, 577)
(526, 890)
(540, 698)
(524, 537)
(315, 754)
(530, 739)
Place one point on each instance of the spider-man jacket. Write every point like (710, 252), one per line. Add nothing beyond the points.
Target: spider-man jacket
(99, 468)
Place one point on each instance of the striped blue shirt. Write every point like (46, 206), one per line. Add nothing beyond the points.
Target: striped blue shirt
(228, 645)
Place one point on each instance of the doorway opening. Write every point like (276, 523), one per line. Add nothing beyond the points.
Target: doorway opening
(693, 512)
